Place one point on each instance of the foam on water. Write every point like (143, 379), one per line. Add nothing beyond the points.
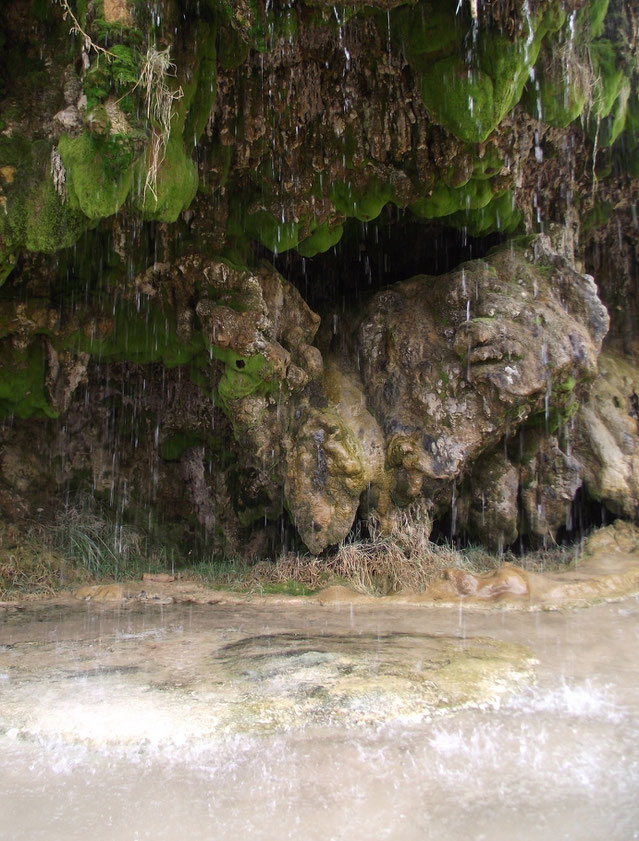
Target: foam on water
(558, 759)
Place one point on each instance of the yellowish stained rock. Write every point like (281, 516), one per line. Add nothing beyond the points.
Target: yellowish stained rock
(117, 11)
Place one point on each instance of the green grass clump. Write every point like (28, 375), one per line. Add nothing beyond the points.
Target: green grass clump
(90, 540)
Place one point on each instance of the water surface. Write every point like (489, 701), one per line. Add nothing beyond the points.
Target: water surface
(308, 722)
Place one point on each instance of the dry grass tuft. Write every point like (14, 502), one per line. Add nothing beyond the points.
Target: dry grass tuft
(402, 559)
(30, 566)
(84, 544)
(159, 100)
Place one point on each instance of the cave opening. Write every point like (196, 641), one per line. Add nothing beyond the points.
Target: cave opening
(371, 255)
(133, 395)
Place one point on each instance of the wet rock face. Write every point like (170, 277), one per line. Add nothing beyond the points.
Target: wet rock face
(435, 375)
(450, 364)
(606, 441)
(172, 370)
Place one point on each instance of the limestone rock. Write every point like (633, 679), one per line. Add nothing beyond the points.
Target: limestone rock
(550, 479)
(434, 372)
(492, 501)
(101, 592)
(118, 11)
(607, 436)
(451, 363)
(68, 120)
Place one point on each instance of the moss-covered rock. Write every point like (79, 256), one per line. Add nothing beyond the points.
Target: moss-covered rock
(470, 82)
(22, 374)
(243, 376)
(594, 13)
(445, 200)
(363, 202)
(499, 214)
(176, 186)
(277, 235)
(609, 75)
(37, 215)
(323, 237)
(97, 184)
(560, 89)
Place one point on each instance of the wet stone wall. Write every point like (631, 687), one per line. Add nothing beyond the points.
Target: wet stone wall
(271, 271)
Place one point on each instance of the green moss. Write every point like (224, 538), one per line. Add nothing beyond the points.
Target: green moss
(22, 391)
(96, 120)
(274, 234)
(41, 10)
(97, 82)
(286, 25)
(500, 214)
(119, 151)
(7, 265)
(141, 337)
(363, 203)
(596, 217)
(425, 29)
(50, 223)
(206, 85)
(605, 57)
(594, 13)
(609, 129)
(15, 151)
(489, 165)
(322, 238)
(176, 184)
(34, 216)
(119, 74)
(91, 183)
(243, 375)
(552, 420)
(469, 100)
(567, 385)
(460, 99)
(173, 447)
(125, 67)
(218, 166)
(560, 90)
(256, 25)
(509, 61)
(109, 33)
(232, 50)
(556, 101)
(445, 200)
(627, 149)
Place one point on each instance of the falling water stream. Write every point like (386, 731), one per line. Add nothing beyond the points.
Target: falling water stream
(318, 722)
